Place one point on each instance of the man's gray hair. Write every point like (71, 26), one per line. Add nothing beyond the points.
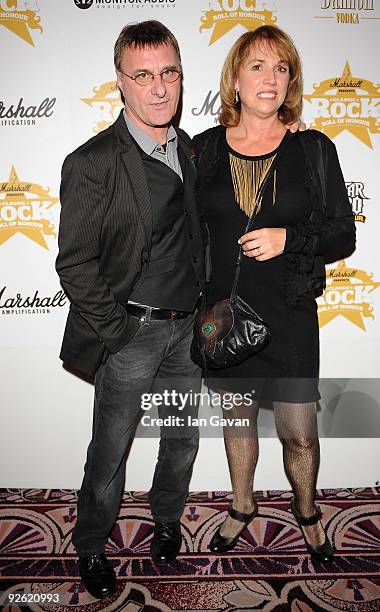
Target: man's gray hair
(144, 34)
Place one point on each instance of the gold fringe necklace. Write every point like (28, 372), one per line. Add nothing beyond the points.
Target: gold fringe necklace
(247, 176)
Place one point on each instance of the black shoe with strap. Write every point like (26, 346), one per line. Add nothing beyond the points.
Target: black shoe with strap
(324, 552)
(219, 543)
(166, 542)
(98, 576)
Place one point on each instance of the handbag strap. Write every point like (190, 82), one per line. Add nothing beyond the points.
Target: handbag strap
(259, 195)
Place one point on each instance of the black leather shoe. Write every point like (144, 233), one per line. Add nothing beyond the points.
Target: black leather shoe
(325, 551)
(221, 544)
(98, 575)
(166, 542)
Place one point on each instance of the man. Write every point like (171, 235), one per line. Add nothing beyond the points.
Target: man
(131, 260)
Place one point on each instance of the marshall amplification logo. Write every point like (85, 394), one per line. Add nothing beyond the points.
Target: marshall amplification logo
(210, 105)
(346, 103)
(347, 11)
(348, 293)
(355, 192)
(25, 208)
(226, 14)
(106, 102)
(22, 113)
(32, 304)
(19, 18)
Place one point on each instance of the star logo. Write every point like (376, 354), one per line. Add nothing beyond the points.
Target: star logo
(346, 103)
(107, 103)
(19, 21)
(347, 294)
(228, 15)
(25, 208)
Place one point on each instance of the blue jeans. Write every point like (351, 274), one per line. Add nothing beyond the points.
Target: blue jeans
(156, 359)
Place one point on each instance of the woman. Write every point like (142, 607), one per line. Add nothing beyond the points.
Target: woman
(300, 222)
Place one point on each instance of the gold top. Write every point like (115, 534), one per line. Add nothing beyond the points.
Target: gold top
(247, 177)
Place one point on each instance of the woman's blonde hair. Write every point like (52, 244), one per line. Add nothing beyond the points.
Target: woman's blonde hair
(279, 41)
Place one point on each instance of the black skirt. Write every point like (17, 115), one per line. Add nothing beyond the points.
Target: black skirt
(286, 370)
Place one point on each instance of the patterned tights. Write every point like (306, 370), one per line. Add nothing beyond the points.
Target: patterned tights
(296, 426)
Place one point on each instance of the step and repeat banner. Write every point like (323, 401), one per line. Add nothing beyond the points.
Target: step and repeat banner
(58, 89)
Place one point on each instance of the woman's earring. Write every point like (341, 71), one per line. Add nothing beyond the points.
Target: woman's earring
(237, 100)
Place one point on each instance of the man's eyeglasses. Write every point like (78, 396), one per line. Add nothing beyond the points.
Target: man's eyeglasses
(169, 75)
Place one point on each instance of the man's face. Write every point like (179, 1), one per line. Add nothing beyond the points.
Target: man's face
(154, 105)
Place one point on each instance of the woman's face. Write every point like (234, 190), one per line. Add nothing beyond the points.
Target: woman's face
(262, 81)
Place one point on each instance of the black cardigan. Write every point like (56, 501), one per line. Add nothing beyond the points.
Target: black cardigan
(329, 233)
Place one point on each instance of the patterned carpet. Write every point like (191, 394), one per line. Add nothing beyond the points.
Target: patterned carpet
(269, 569)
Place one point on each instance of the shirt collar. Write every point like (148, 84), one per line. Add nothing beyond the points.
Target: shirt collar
(145, 142)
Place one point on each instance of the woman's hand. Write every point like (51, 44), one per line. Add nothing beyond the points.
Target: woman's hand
(296, 126)
(264, 243)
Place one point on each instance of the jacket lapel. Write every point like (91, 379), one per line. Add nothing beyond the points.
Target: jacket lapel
(188, 171)
(189, 179)
(134, 169)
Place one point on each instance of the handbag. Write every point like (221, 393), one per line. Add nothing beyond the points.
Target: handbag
(229, 331)
(226, 333)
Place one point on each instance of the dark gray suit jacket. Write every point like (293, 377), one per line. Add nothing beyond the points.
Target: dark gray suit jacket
(105, 238)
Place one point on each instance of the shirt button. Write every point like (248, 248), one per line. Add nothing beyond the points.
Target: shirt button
(191, 236)
(195, 259)
(182, 191)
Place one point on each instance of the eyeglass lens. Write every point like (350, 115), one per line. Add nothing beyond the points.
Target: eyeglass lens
(145, 78)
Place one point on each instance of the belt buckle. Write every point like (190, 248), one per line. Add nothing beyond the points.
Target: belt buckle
(145, 318)
(173, 315)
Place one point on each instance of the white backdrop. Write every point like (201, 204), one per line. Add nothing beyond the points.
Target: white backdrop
(57, 90)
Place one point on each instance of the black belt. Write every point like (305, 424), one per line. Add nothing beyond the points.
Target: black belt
(155, 313)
